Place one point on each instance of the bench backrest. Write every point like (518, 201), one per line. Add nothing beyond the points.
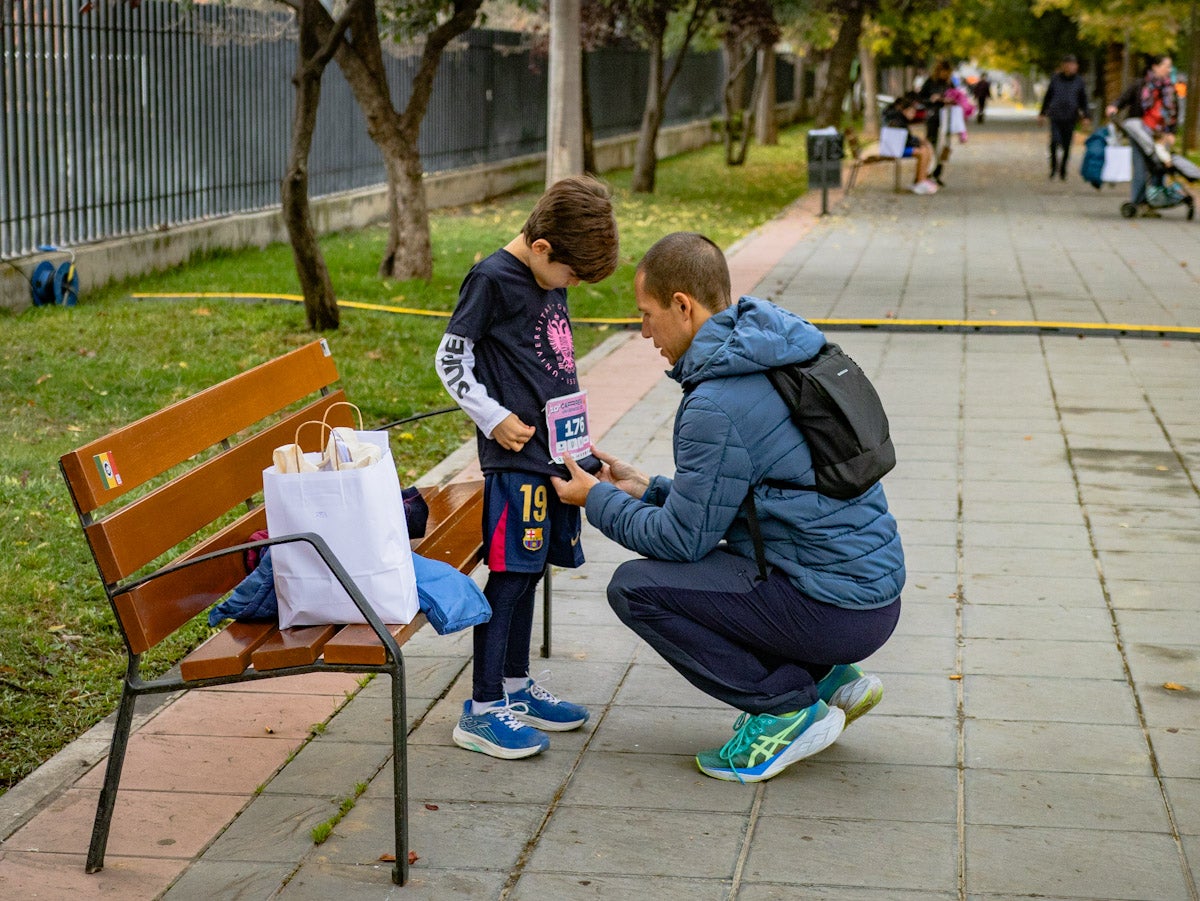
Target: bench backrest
(210, 451)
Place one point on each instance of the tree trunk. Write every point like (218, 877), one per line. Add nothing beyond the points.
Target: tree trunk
(589, 134)
(866, 60)
(766, 126)
(829, 108)
(645, 156)
(801, 84)
(1191, 103)
(320, 302)
(409, 253)
(564, 130)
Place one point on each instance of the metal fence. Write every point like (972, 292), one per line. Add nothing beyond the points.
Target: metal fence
(125, 121)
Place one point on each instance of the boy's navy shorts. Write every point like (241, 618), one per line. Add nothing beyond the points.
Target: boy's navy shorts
(526, 526)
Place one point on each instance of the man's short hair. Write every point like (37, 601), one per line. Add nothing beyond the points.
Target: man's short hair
(687, 262)
(1070, 58)
(575, 216)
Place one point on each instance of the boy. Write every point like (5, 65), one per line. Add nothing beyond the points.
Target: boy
(507, 352)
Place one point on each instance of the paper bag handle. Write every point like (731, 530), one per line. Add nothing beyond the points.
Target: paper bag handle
(344, 403)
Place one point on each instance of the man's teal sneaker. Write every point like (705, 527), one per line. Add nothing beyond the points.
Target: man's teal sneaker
(764, 745)
(848, 687)
(536, 706)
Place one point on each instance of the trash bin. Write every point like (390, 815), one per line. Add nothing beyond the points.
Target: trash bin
(825, 152)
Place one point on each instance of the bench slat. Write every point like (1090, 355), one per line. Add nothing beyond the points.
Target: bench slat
(227, 653)
(452, 537)
(151, 612)
(155, 443)
(131, 537)
(359, 644)
(298, 646)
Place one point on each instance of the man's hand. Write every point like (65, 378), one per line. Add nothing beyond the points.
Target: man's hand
(575, 491)
(626, 477)
(512, 434)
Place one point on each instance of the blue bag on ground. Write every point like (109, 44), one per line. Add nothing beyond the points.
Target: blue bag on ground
(1093, 156)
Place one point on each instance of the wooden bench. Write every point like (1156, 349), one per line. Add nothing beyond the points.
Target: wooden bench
(866, 153)
(195, 468)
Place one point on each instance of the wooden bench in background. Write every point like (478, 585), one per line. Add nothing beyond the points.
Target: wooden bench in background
(866, 153)
(197, 467)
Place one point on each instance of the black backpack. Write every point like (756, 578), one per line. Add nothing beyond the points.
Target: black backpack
(839, 413)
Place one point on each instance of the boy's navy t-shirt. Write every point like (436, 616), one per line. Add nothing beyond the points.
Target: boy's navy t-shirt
(524, 353)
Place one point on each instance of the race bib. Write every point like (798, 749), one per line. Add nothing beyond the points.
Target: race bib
(567, 426)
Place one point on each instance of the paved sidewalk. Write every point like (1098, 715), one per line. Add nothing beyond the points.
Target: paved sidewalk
(1039, 734)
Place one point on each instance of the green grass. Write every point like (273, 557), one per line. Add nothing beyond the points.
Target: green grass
(69, 375)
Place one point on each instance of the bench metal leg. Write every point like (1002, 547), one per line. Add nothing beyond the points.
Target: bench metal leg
(547, 595)
(400, 773)
(112, 779)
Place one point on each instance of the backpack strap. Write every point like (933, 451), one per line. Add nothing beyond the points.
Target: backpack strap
(760, 556)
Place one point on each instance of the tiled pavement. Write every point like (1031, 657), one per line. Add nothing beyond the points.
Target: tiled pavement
(1039, 735)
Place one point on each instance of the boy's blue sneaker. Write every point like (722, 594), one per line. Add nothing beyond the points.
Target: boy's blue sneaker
(497, 732)
(763, 745)
(536, 706)
(848, 687)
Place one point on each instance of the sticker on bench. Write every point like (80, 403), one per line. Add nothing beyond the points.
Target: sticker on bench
(567, 425)
(107, 467)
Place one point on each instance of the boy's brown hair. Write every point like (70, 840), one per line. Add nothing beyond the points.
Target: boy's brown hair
(575, 217)
(687, 262)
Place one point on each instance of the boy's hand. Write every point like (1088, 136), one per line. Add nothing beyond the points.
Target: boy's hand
(512, 434)
(575, 491)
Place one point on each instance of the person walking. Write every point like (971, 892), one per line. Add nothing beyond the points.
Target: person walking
(982, 91)
(1065, 104)
(1154, 101)
(780, 648)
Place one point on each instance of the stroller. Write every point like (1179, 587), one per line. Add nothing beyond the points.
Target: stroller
(1160, 162)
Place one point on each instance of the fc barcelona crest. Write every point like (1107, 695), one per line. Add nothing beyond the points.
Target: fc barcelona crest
(532, 540)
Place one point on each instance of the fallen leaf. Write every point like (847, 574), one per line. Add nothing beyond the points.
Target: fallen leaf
(43, 378)
(1162, 468)
(413, 857)
(374, 355)
(1028, 437)
(1174, 686)
(431, 807)
(74, 428)
(955, 677)
(57, 628)
(202, 311)
(388, 858)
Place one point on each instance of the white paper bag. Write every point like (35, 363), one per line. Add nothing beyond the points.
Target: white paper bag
(892, 141)
(953, 122)
(360, 514)
(1118, 164)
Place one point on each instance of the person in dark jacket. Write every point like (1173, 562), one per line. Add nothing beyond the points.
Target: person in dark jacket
(781, 649)
(1152, 100)
(932, 96)
(1064, 105)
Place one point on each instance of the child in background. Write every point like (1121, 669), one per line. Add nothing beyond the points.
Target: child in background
(507, 351)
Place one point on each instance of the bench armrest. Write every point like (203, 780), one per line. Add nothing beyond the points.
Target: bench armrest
(327, 556)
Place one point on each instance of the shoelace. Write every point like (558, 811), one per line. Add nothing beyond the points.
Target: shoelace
(539, 691)
(745, 729)
(505, 715)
